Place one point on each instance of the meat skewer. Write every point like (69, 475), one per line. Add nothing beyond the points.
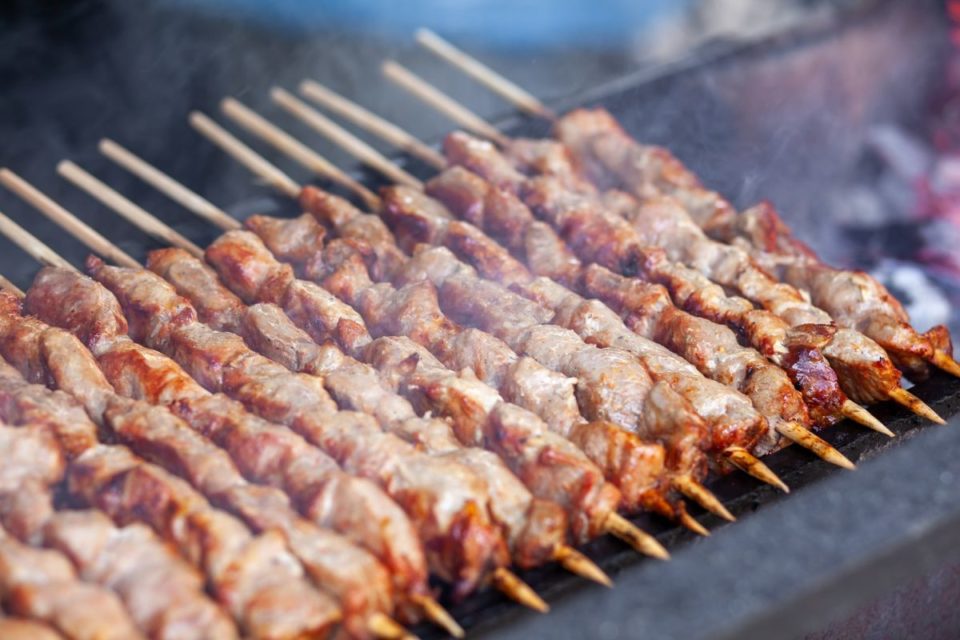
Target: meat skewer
(642, 168)
(266, 453)
(691, 487)
(261, 127)
(163, 594)
(872, 383)
(613, 523)
(537, 243)
(352, 576)
(230, 313)
(191, 337)
(237, 148)
(462, 190)
(254, 577)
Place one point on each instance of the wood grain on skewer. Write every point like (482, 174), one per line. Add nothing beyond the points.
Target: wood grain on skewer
(855, 412)
(443, 103)
(31, 245)
(285, 143)
(945, 361)
(915, 404)
(358, 148)
(484, 74)
(370, 121)
(73, 225)
(809, 440)
(160, 181)
(243, 154)
(9, 287)
(126, 208)
(691, 523)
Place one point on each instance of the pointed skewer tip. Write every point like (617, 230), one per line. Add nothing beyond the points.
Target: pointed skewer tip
(858, 414)
(915, 404)
(702, 496)
(575, 562)
(383, 626)
(519, 591)
(809, 440)
(750, 464)
(439, 616)
(691, 523)
(945, 361)
(636, 537)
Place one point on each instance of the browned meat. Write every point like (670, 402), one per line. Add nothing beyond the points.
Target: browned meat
(163, 593)
(443, 498)
(41, 584)
(23, 629)
(254, 577)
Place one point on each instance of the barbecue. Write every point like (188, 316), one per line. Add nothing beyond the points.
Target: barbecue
(328, 423)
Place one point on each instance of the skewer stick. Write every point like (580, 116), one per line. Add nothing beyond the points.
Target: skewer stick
(285, 143)
(692, 489)
(73, 225)
(9, 287)
(484, 74)
(809, 440)
(945, 361)
(243, 154)
(691, 523)
(380, 625)
(370, 121)
(126, 208)
(31, 245)
(855, 412)
(519, 591)
(640, 540)
(444, 104)
(162, 182)
(579, 564)
(915, 404)
(749, 463)
(358, 148)
(437, 614)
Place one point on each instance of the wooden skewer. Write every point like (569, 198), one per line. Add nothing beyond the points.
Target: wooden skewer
(915, 404)
(809, 440)
(691, 523)
(749, 463)
(640, 540)
(380, 625)
(65, 219)
(443, 103)
(9, 287)
(568, 557)
(437, 614)
(368, 120)
(699, 494)
(31, 245)
(519, 591)
(855, 412)
(945, 361)
(126, 208)
(484, 74)
(285, 143)
(322, 124)
(162, 182)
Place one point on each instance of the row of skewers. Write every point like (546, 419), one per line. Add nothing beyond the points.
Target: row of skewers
(320, 413)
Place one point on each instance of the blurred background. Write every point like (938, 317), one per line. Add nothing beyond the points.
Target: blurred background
(844, 113)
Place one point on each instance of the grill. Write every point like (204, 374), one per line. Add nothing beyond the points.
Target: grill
(841, 543)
